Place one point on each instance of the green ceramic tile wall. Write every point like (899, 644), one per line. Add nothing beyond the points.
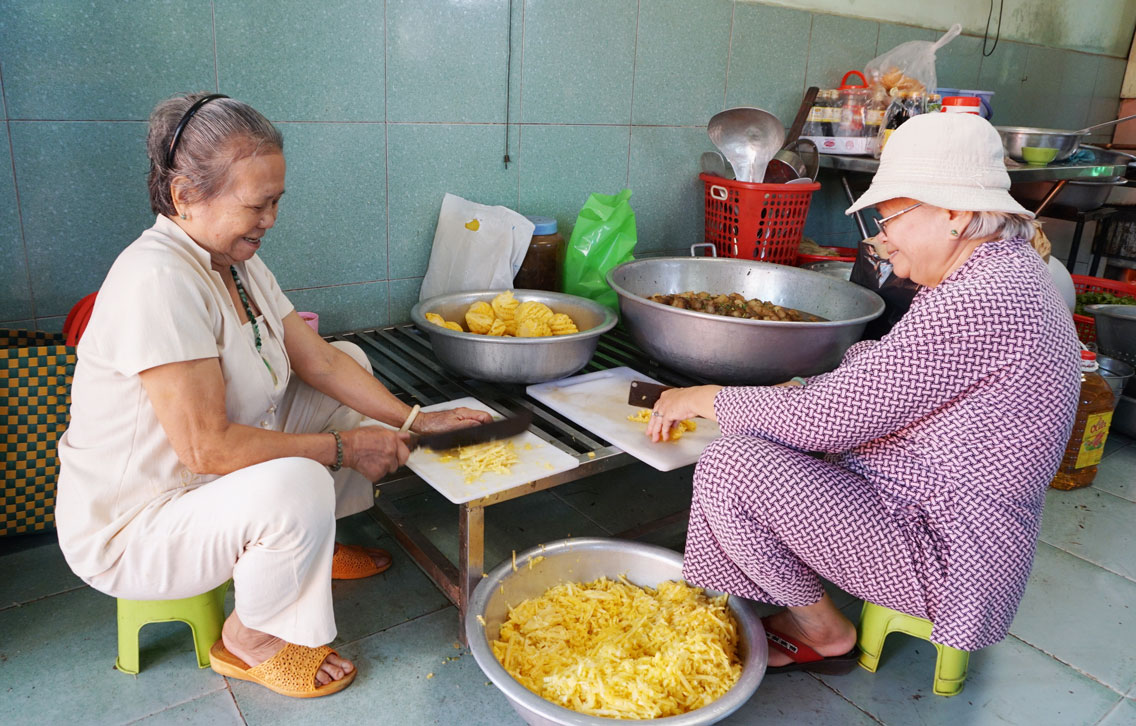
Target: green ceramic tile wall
(387, 105)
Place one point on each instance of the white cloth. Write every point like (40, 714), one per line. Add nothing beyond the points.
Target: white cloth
(269, 527)
(161, 303)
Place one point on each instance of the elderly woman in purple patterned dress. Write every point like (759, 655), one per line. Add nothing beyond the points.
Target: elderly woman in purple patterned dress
(939, 439)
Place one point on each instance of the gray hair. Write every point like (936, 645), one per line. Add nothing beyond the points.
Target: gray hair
(998, 225)
(221, 133)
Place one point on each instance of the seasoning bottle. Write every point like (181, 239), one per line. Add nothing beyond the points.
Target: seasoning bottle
(874, 112)
(1090, 429)
(541, 268)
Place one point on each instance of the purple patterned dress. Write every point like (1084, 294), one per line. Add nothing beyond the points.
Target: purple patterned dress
(940, 441)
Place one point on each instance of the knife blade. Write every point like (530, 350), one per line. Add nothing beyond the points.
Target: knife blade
(495, 430)
(645, 394)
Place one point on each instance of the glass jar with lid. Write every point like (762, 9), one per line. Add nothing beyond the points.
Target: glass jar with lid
(542, 265)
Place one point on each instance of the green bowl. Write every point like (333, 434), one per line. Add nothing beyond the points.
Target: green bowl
(1038, 154)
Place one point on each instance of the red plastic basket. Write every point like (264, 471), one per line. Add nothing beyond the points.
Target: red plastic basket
(756, 221)
(841, 254)
(1086, 326)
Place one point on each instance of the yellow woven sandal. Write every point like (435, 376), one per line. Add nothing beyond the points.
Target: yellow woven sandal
(291, 672)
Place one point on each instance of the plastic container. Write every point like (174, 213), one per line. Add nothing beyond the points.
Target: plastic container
(544, 260)
(756, 221)
(962, 104)
(1086, 326)
(1090, 429)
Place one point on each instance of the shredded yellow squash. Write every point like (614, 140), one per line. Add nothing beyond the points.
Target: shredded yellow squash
(477, 459)
(643, 416)
(613, 649)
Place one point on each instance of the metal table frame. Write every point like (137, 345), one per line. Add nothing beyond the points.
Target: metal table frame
(1107, 164)
(403, 361)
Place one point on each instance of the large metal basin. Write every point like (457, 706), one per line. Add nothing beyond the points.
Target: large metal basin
(514, 360)
(734, 351)
(584, 560)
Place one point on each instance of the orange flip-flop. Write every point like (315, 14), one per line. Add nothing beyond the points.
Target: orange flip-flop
(354, 562)
(291, 672)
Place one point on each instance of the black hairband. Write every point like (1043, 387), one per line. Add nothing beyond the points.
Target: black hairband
(184, 120)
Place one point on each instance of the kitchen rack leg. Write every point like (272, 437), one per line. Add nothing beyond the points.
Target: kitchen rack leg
(471, 556)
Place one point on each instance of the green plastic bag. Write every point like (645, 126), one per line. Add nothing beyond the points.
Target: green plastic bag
(602, 239)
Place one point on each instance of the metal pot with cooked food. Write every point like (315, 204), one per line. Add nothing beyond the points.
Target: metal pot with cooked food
(759, 323)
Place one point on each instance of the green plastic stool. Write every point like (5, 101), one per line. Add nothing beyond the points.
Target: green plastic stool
(204, 614)
(876, 622)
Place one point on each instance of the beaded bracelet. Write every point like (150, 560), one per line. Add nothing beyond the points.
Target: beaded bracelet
(799, 381)
(338, 450)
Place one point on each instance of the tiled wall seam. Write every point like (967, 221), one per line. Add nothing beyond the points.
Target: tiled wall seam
(825, 221)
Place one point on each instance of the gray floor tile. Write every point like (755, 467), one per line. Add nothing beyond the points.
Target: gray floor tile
(34, 573)
(1117, 473)
(1007, 683)
(1094, 525)
(61, 650)
(1123, 714)
(369, 605)
(1063, 587)
(411, 674)
(796, 699)
(517, 524)
(215, 709)
(1116, 441)
(629, 496)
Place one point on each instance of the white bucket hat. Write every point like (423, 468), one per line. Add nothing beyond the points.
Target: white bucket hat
(948, 160)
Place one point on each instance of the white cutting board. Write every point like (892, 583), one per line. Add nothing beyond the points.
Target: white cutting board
(598, 402)
(536, 459)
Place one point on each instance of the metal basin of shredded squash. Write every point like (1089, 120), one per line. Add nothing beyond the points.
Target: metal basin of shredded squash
(583, 560)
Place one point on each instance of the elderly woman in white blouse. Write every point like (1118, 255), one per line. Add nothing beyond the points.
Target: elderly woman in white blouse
(213, 434)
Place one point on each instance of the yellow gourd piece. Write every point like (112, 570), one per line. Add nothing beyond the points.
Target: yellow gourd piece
(482, 308)
(478, 322)
(436, 319)
(533, 309)
(505, 305)
(511, 328)
(497, 329)
(533, 328)
(562, 324)
(452, 326)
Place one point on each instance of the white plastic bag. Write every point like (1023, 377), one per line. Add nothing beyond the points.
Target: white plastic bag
(476, 247)
(910, 66)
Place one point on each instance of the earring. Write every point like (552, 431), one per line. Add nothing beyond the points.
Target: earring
(954, 232)
(184, 217)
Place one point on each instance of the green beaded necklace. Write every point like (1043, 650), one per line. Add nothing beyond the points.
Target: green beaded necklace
(252, 319)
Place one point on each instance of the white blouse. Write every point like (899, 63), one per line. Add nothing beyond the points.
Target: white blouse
(161, 303)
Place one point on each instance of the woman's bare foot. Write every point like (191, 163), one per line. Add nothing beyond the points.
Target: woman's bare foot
(254, 647)
(820, 626)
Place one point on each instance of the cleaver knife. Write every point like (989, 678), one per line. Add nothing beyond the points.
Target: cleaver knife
(493, 431)
(644, 394)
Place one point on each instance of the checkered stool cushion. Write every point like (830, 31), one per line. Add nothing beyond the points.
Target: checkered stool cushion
(35, 399)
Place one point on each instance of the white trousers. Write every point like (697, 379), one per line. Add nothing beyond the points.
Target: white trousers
(270, 527)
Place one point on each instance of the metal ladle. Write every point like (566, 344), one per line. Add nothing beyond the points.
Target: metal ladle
(748, 138)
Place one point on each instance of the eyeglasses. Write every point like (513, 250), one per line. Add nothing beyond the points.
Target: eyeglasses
(880, 223)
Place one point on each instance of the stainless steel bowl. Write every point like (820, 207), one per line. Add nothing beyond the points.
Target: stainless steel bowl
(514, 360)
(733, 350)
(1116, 331)
(1116, 372)
(584, 560)
(1016, 137)
(1081, 195)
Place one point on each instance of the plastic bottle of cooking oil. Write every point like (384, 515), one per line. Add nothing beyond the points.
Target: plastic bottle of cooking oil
(1090, 429)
